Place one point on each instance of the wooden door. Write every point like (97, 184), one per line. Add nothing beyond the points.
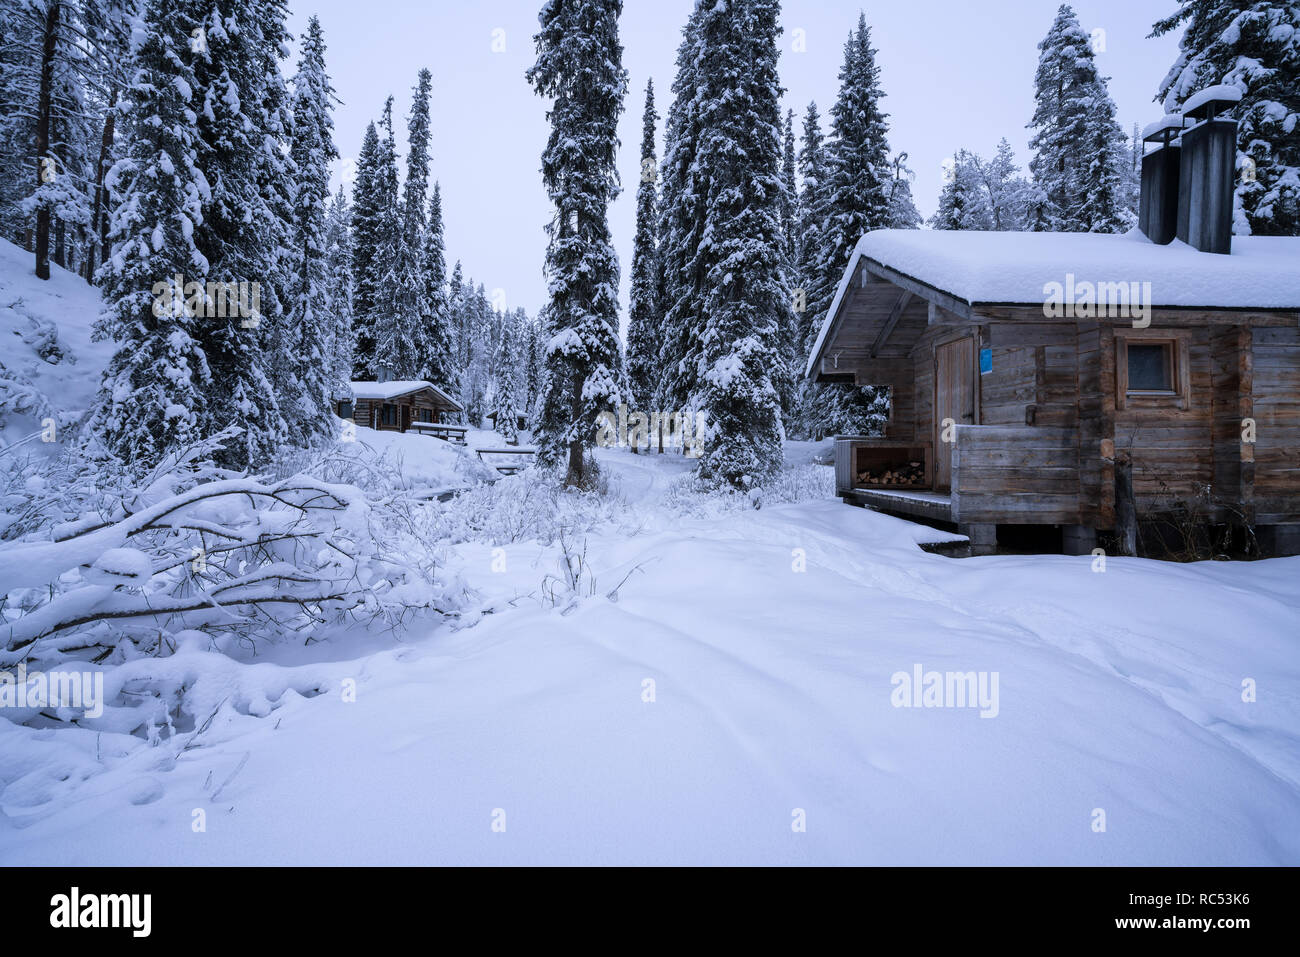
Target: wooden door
(404, 417)
(954, 398)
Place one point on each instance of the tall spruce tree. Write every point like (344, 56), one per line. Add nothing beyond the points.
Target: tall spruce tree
(681, 224)
(746, 298)
(401, 327)
(1253, 45)
(308, 331)
(579, 66)
(1077, 141)
(368, 218)
(439, 366)
(157, 386)
(245, 120)
(338, 293)
(856, 201)
(812, 223)
(643, 307)
(790, 197)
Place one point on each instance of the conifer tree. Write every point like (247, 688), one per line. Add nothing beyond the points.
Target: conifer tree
(579, 67)
(439, 367)
(368, 217)
(156, 387)
(746, 298)
(643, 310)
(1253, 45)
(338, 293)
(1078, 143)
(308, 331)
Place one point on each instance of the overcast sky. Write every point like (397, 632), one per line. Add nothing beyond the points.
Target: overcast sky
(956, 74)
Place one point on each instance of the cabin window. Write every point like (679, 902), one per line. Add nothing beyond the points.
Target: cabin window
(345, 409)
(1151, 367)
(390, 414)
(426, 415)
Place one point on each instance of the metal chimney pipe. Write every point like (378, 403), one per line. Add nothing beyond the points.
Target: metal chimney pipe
(1158, 206)
(1207, 173)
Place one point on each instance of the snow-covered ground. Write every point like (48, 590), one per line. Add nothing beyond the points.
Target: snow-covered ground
(719, 675)
(49, 365)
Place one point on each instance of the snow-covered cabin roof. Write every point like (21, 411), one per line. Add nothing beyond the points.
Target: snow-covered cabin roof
(1009, 268)
(391, 390)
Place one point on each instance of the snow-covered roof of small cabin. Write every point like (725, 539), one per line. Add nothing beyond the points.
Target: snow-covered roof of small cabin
(1005, 268)
(391, 390)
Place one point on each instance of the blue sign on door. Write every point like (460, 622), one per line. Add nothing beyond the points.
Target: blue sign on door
(986, 361)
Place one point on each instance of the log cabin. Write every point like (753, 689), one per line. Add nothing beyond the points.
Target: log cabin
(393, 406)
(1083, 382)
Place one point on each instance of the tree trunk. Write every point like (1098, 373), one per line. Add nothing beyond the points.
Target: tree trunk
(98, 225)
(61, 243)
(43, 137)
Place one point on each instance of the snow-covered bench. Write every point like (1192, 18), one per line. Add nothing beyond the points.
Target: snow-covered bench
(441, 430)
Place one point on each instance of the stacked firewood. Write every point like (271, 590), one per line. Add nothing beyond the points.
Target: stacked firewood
(913, 473)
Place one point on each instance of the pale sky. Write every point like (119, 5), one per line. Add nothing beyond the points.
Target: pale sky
(956, 74)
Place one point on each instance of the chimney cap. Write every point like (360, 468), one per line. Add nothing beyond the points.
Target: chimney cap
(1160, 130)
(1209, 102)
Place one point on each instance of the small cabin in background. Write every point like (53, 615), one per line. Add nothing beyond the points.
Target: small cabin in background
(394, 406)
(1075, 380)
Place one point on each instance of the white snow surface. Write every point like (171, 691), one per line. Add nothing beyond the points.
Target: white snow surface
(45, 344)
(1263, 272)
(1119, 690)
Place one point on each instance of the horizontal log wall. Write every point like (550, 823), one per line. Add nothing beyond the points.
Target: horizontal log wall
(1015, 475)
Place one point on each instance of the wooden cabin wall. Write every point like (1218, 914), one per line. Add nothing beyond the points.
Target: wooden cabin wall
(1275, 368)
(1230, 380)
(1171, 447)
(1034, 376)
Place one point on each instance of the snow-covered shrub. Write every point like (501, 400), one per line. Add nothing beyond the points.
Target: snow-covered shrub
(793, 483)
(530, 506)
(195, 557)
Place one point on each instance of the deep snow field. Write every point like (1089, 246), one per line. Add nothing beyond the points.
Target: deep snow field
(701, 697)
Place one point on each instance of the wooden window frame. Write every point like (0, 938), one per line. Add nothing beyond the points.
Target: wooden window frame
(1176, 340)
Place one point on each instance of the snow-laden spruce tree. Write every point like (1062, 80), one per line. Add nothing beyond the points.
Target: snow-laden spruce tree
(1078, 144)
(580, 68)
(746, 296)
(158, 385)
(245, 121)
(338, 292)
(1007, 191)
(643, 333)
(790, 198)
(963, 201)
(1253, 45)
(811, 224)
(681, 220)
(439, 367)
(855, 200)
(308, 332)
(401, 320)
(858, 170)
(789, 346)
(903, 213)
(368, 219)
(505, 379)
